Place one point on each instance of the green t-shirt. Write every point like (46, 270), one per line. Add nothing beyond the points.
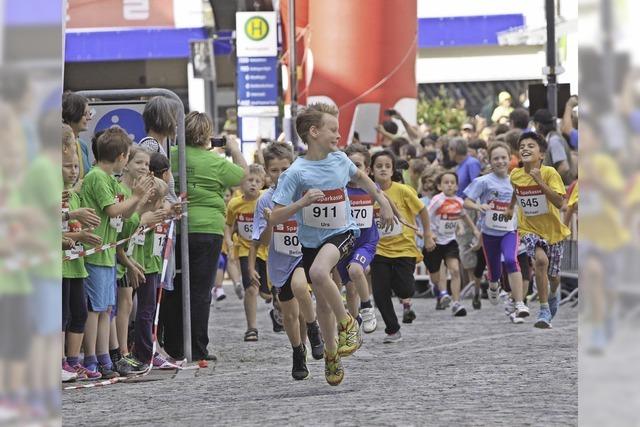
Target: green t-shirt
(98, 191)
(208, 176)
(133, 248)
(42, 189)
(74, 269)
(12, 282)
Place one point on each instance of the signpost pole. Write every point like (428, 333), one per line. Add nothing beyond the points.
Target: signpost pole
(293, 72)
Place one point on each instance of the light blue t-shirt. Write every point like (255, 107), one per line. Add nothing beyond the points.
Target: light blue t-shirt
(329, 216)
(496, 192)
(279, 265)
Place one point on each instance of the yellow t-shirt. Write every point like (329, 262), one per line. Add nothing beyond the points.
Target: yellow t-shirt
(240, 218)
(398, 243)
(601, 220)
(536, 214)
(573, 199)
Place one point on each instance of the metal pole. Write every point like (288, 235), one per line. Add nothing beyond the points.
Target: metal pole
(552, 81)
(293, 72)
(128, 94)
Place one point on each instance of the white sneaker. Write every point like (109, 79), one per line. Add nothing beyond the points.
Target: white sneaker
(509, 306)
(67, 376)
(392, 338)
(458, 309)
(369, 322)
(219, 294)
(515, 319)
(493, 292)
(522, 310)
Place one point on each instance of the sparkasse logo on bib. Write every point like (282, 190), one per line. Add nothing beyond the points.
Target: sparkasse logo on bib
(256, 28)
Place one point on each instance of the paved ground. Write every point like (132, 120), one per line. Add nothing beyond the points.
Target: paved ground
(478, 370)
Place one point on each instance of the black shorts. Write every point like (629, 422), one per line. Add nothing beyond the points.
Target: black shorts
(434, 259)
(345, 242)
(285, 293)
(261, 269)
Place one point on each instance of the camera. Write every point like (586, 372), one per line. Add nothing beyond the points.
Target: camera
(219, 141)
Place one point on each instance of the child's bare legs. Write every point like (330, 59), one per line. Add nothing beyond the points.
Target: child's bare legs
(104, 327)
(322, 283)
(73, 344)
(541, 267)
(250, 306)
(125, 303)
(290, 319)
(328, 325)
(454, 269)
(353, 299)
(515, 280)
(233, 269)
(359, 278)
(91, 334)
(301, 292)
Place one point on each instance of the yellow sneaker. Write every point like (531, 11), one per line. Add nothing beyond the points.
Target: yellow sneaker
(333, 371)
(349, 336)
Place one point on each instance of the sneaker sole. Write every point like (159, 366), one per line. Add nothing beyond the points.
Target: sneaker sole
(300, 378)
(460, 313)
(542, 324)
(523, 314)
(392, 341)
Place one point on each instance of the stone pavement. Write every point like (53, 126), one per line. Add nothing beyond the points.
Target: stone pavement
(477, 370)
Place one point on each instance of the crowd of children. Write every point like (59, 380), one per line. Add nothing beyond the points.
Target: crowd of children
(297, 229)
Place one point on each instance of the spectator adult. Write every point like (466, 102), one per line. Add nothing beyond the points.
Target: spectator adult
(77, 114)
(504, 107)
(468, 131)
(209, 175)
(569, 126)
(388, 131)
(519, 119)
(160, 124)
(558, 154)
(468, 166)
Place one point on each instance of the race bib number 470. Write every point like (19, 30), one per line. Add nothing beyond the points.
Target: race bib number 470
(362, 210)
(532, 200)
(329, 212)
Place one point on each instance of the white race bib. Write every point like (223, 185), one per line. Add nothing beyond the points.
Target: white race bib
(447, 227)
(74, 226)
(285, 239)
(362, 210)
(496, 219)
(245, 225)
(395, 230)
(138, 239)
(532, 200)
(159, 238)
(330, 212)
(117, 221)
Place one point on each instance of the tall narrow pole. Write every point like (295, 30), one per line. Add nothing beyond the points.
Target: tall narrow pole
(552, 81)
(293, 71)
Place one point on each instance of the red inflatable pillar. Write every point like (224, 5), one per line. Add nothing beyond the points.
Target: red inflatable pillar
(362, 51)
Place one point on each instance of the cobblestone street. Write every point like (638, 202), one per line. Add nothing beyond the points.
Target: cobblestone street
(477, 370)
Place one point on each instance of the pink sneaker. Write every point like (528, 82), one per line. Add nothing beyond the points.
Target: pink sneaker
(160, 362)
(85, 374)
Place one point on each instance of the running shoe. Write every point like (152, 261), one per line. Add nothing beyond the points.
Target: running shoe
(493, 292)
(521, 310)
(277, 327)
(179, 363)
(333, 371)
(137, 366)
(68, 374)
(239, 290)
(369, 322)
(509, 306)
(299, 370)
(219, 294)
(349, 337)
(444, 299)
(408, 315)
(85, 374)
(458, 309)
(160, 362)
(107, 373)
(476, 303)
(544, 319)
(554, 301)
(315, 339)
(515, 319)
(392, 338)
(439, 304)
(123, 367)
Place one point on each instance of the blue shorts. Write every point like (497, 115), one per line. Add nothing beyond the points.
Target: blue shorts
(100, 287)
(361, 255)
(222, 262)
(46, 301)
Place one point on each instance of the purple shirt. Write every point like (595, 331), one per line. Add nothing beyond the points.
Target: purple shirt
(369, 234)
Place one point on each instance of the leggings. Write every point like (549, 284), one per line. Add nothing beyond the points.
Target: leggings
(497, 247)
(74, 306)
